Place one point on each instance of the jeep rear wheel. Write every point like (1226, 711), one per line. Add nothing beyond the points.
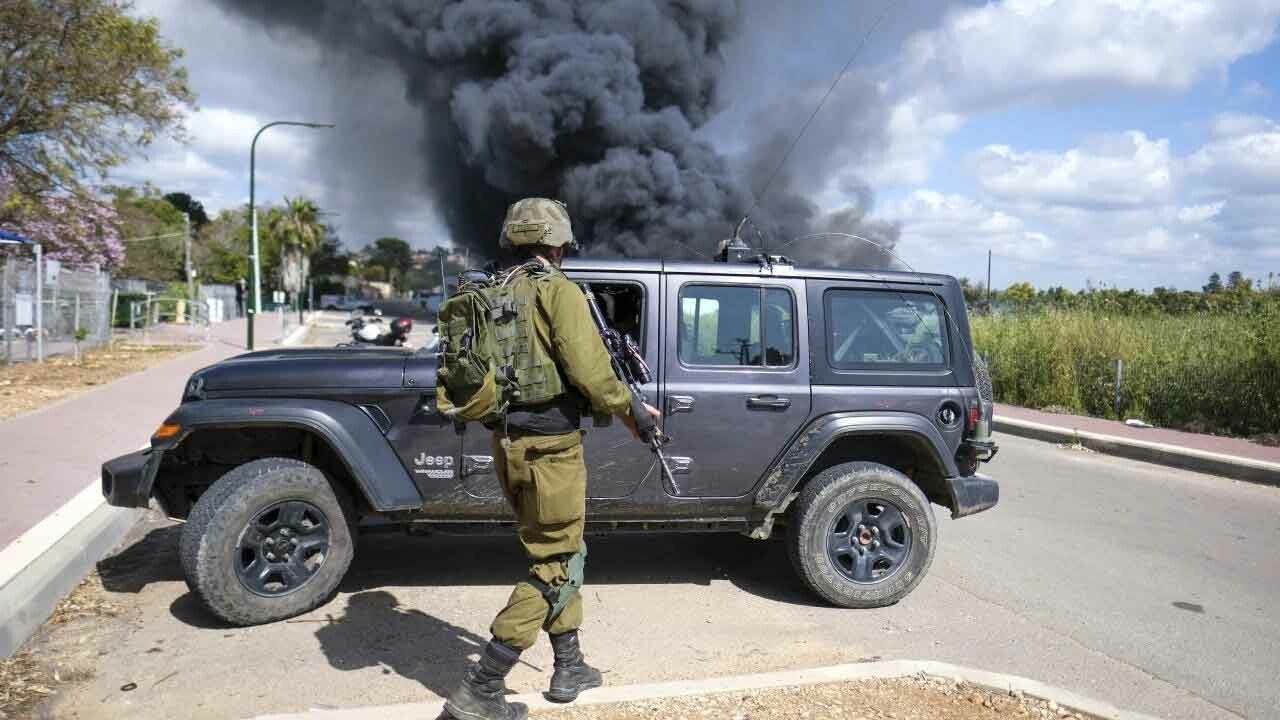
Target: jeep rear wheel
(269, 540)
(862, 535)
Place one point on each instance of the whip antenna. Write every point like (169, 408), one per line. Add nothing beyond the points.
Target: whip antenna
(803, 128)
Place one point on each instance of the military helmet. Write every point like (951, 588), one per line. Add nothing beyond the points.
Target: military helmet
(537, 221)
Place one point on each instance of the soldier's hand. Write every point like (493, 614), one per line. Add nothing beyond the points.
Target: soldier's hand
(630, 421)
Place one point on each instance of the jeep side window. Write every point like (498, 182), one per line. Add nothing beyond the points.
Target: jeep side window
(868, 330)
(622, 304)
(736, 325)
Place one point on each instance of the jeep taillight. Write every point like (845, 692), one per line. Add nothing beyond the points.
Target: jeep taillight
(975, 413)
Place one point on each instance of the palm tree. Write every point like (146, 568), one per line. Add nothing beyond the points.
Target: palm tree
(297, 229)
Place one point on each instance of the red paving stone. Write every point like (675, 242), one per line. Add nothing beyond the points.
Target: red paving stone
(1115, 428)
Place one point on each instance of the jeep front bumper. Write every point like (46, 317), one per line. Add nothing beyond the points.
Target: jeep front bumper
(972, 494)
(127, 480)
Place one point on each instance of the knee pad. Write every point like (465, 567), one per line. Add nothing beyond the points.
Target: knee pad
(558, 596)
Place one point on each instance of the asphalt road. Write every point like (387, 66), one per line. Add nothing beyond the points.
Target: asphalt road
(1152, 588)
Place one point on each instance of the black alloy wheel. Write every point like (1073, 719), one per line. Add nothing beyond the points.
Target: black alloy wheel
(861, 534)
(282, 548)
(869, 541)
(271, 539)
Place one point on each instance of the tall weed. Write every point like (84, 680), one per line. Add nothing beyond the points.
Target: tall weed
(1213, 372)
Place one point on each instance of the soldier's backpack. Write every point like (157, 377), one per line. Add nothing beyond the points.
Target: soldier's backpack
(488, 357)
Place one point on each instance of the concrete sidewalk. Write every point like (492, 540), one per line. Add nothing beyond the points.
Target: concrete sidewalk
(49, 455)
(1213, 454)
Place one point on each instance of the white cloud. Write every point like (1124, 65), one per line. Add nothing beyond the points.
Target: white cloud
(932, 220)
(1054, 53)
(1200, 213)
(1126, 169)
(227, 131)
(1121, 208)
(1242, 158)
(1018, 49)
(916, 137)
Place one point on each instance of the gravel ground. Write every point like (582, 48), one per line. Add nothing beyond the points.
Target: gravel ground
(901, 699)
(29, 386)
(65, 655)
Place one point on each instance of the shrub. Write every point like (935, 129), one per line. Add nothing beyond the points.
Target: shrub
(1214, 371)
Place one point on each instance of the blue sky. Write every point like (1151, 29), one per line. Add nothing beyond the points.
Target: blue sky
(1132, 143)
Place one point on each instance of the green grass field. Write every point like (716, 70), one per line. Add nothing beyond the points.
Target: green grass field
(1208, 372)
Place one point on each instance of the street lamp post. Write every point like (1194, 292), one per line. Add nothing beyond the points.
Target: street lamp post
(255, 266)
(444, 282)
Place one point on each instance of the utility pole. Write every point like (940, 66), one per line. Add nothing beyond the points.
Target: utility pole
(186, 245)
(988, 278)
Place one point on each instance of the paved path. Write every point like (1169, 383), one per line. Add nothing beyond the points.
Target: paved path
(1193, 441)
(49, 455)
(1149, 587)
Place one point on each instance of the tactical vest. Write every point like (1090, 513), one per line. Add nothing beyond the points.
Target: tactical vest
(489, 355)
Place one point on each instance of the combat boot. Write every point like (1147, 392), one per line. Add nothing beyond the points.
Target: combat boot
(482, 694)
(572, 673)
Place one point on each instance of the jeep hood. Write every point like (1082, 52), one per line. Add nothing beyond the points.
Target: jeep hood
(301, 368)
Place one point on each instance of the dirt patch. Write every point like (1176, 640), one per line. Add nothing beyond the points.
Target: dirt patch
(28, 386)
(913, 698)
(32, 677)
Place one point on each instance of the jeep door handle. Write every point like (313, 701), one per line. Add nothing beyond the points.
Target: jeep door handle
(679, 404)
(768, 402)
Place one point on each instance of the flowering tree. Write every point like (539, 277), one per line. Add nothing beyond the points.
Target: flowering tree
(72, 229)
(83, 84)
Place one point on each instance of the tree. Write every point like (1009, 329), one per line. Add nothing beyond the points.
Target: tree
(329, 265)
(192, 207)
(83, 83)
(152, 230)
(1236, 282)
(1215, 284)
(297, 231)
(394, 256)
(223, 250)
(70, 230)
(1019, 293)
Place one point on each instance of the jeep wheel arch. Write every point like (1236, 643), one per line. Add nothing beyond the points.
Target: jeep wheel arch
(906, 442)
(378, 478)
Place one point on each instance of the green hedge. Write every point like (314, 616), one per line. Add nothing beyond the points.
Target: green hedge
(1207, 372)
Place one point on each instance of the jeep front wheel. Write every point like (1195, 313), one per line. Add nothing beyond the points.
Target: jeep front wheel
(862, 535)
(269, 540)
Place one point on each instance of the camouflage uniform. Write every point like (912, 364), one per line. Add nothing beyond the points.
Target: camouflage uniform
(559, 360)
(544, 476)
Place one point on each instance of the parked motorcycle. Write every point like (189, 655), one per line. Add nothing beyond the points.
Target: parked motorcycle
(370, 330)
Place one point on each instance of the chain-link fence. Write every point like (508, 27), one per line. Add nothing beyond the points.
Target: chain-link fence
(71, 308)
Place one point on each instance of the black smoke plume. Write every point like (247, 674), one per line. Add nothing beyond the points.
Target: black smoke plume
(598, 104)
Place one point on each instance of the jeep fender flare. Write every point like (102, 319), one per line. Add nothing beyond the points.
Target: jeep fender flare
(354, 437)
(787, 473)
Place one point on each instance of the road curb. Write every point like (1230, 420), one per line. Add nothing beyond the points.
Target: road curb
(998, 682)
(39, 568)
(1232, 466)
(297, 334)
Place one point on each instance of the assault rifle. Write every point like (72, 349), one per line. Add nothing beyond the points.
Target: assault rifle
(633, 371)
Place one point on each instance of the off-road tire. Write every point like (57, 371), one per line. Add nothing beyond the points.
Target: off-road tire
(824, 499)
(208, 545)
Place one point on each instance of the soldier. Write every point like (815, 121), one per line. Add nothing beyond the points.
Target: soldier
(538, 454)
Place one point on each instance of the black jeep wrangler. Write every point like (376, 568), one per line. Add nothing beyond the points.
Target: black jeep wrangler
(839, 405)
